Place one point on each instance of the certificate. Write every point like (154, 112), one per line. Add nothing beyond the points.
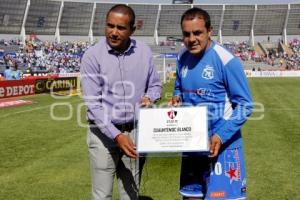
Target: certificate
(167, 130)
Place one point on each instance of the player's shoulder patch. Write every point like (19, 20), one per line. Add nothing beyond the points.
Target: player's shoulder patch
(223, 53)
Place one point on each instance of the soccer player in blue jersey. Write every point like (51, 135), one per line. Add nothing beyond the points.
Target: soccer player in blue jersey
(208, 74)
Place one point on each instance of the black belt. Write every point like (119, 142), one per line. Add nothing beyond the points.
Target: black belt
(125, 127)
(129, 126)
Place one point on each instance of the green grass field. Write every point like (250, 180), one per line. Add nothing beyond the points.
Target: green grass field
(43, 158)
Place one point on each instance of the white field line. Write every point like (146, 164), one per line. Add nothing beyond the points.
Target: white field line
(30, 110)
(24, 111)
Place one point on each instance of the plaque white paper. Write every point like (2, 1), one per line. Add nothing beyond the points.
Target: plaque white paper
(180, 129)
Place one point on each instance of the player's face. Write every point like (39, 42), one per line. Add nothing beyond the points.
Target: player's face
(196, 36)
(118, 31)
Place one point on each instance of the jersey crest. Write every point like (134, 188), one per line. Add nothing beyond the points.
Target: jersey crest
(208, 72)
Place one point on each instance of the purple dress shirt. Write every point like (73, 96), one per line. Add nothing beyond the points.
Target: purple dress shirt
(113, 83)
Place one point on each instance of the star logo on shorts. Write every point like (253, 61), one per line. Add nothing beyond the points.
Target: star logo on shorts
(232, 174)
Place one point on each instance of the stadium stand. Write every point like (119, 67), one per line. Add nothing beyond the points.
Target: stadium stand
(270, 19)
(76, 18)
(216, 13)
(169, 19)
(11, 16)
(233, 26)
(159, 23)
(293, 20)
(145, 19)
(42, 17)
(99, 20)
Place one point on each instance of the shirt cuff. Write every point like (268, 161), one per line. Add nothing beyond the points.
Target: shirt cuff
(177, 93)
(216, 134)
(109, 130)
(151, 97)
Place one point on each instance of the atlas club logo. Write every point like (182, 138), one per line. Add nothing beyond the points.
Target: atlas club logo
(172, 114)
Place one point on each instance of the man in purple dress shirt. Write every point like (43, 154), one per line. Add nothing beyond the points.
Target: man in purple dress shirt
(117, 77)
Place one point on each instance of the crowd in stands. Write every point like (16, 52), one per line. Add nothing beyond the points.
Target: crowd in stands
(10, 42)
(274, 58)
(293, 62)
(241, 50)
(54, 58)
(47, 57)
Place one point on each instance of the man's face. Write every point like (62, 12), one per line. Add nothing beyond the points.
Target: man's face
(196, 36)
(118, 31)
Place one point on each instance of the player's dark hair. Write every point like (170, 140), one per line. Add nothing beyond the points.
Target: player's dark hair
(192, 13)
(126, 10)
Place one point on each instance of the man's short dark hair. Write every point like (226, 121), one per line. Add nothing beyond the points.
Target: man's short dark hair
(126, 10)
(192, 13)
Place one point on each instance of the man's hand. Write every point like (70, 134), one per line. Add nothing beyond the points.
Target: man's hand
(126, 145)
(146, 102)
(215, 145)
(175, 101)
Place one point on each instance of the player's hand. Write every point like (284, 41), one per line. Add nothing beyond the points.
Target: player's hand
(125, 143)
(215, 145)
(146, 102)
(175, 101)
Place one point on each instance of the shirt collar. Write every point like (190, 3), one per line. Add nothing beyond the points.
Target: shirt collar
(129, 50)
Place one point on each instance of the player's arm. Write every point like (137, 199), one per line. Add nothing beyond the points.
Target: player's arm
(239, 94)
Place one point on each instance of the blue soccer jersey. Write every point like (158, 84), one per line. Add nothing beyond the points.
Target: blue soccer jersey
(217, 80)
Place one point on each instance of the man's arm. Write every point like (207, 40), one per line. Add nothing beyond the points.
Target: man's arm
(93, 84)
(126, 144)
(239, 95)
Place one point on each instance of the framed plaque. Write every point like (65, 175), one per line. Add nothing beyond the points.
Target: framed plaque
(175, 129)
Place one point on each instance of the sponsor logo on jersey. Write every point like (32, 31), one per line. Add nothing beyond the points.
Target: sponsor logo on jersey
(208, 72)
(184, 71)
(220, 194)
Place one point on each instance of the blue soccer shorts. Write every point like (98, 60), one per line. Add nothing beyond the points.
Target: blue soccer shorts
(221, 178)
